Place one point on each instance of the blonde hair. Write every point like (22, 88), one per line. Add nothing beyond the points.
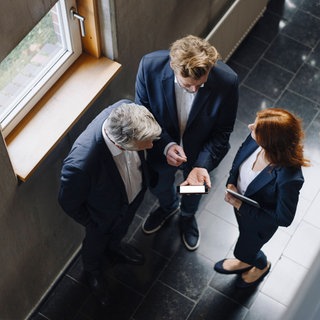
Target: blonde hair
(192, 57)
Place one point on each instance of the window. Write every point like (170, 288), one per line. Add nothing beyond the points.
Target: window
(37, 63)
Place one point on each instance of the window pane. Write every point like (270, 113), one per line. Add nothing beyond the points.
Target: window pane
(27, 64)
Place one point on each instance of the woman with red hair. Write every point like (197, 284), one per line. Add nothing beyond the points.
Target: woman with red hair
(266, 169)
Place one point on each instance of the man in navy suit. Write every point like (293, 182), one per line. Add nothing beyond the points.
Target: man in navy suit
(194, 97)
(103, 181)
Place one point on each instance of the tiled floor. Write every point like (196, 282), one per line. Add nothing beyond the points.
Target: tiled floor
(279, 65)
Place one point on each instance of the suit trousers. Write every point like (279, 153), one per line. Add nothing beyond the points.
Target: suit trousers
(252, 236)
(97, 242)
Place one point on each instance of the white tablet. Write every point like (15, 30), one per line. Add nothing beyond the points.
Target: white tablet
(243, 198)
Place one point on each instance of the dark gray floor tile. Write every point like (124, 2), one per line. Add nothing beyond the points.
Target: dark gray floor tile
(284, 9)
(249, 52)
(250, 102)
(297, 104)
(139, 278)
(312, 140)
(76, 270)
(164, 303)
(214, 305)
(287, 53)
(121, 296)
(37, 316)
(165, 242)
(188, 273)
(239, 69)
(314, 58)
(226, 285)
(65, 301)
(304, 28)
(80, 316)
(149, 204)
(267, 28)
(307, 83)
(268, 79)
(312, 7)
(265, 308)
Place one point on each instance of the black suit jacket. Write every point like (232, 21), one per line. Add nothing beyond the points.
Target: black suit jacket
(211, 118)
(92, 189)
(275, 188)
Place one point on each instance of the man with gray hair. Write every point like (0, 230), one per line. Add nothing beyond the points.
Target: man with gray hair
(103, 181)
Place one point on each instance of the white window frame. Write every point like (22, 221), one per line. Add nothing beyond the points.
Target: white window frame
(74, 50)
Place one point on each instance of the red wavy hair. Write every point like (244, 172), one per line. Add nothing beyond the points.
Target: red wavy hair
(280, 133)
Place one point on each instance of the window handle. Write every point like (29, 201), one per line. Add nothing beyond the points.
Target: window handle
(76, 15)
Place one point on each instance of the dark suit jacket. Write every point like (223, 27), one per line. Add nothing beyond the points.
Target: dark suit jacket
(91, 186)
(275, 188)
(211, 118)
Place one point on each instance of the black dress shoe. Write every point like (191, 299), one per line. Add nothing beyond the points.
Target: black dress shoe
(190, 232)
(129, 254)
(243, 284)
(99, 288)
(219, 268)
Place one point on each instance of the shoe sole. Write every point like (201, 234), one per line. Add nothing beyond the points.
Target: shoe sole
(161, 224)
(189, 247)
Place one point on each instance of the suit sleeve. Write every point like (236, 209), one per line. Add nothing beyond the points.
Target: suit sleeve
(74, 190)
(142, 98)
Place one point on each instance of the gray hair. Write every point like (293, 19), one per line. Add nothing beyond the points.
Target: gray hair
(130, 123)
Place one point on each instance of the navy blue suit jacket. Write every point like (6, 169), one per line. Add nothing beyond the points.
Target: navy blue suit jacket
(275, 188)
(211, 118)
(92, 189)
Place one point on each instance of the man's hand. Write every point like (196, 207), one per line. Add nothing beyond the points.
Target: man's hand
(176, 155)
(198, 177)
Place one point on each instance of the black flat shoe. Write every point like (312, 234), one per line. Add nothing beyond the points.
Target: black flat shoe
(219, 268)
(129, 254)
(243, 284)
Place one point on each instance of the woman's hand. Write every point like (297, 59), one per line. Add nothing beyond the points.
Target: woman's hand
(231, 199)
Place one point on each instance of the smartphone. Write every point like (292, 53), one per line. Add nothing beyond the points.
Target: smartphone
(192, 189)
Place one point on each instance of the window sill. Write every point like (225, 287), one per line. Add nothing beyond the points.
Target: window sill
(55, 114)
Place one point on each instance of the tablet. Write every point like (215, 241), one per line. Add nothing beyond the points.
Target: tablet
(243, 198)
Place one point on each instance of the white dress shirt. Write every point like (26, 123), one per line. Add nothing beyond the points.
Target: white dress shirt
(129, 166)
(246, 174)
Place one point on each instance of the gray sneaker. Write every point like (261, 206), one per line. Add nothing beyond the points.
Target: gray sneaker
(157, 219)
